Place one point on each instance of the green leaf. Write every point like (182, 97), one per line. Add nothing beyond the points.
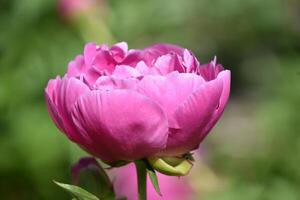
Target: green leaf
(77, 192)
(153, 177)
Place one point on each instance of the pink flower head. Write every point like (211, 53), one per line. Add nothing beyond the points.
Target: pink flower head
(121, 104)
(71, 8)
(174, 188)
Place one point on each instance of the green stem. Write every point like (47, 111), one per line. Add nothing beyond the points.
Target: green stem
(142, 179)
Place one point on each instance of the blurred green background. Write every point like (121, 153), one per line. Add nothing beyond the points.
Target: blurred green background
(254, 151)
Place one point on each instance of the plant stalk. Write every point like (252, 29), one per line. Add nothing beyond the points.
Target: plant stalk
(142, 179)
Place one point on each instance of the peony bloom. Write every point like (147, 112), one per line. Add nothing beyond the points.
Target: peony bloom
(125, 185)
(124, 105)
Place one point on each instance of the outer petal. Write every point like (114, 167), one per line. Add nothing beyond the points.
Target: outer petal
(225, 77)
(69, 91)
(192, 116)
(51, 99)
(119, 130)
(112, 82)
(169, 91)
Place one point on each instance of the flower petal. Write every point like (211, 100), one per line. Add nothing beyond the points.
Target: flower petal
(169, 91)
(69, 91)
(192, 117)
(125, 71)
(119, 51)
(225, 77)
(112, 82)
(118, 129)
(51, 99)
(90, 51)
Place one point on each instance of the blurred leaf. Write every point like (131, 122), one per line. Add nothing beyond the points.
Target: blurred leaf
(89, 173)
(77, 192)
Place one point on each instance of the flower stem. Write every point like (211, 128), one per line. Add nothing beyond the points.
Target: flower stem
(142, 179)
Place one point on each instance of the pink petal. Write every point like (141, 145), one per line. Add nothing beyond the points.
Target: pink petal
(192, 117)
(170, 91)
(163, 48)
(225, 77)
(119, 51)
(90, 51)
(167, 63)
(51, 100)
(210, 71)
(69, 91)
(118, 129)
(133, 57)
(103, 61)
(113, 82)
(125, 71)
(190, 61)
(76, 67)
(142, 68)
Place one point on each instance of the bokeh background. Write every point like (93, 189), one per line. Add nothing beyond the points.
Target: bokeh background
(254, 151)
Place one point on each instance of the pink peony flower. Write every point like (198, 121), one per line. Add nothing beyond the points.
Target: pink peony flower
(124, 105)
(125, 185)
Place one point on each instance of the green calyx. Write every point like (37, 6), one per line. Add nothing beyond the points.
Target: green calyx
(171, 166)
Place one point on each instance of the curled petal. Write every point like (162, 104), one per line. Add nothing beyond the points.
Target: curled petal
(119, 130)
(192, 116)
(90, 51)
(225, 77)
(210, 71)
(51, 100)
(119, 51)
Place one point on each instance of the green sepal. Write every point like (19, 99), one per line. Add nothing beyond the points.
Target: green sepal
(171, 166)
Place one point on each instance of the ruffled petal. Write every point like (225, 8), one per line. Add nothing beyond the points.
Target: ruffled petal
(89, 53)
(118, 129)
(104, 62)
(119, 51)
(211, 70)
(167, 63)
(192, 117)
